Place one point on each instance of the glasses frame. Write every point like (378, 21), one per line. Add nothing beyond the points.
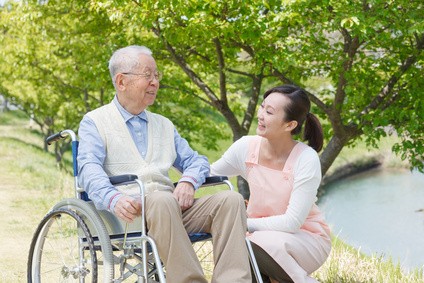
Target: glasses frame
(148, 75)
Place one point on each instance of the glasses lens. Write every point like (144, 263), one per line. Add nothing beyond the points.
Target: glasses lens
(157, 75)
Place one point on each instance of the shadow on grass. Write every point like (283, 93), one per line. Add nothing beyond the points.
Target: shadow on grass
(65, 163)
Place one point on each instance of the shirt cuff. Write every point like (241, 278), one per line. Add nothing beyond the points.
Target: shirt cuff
(190, 180)
(252, 224)
(112, 202)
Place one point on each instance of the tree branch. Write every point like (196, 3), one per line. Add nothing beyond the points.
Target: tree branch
(241, 73)
(321, 105)
(221, 105)
(180, 61)
(253, 101)
(249, 50)
(192, 93)
(388, 88)
(221, 65)
(351, 46)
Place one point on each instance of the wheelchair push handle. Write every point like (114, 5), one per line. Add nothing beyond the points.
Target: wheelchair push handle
(61, 135)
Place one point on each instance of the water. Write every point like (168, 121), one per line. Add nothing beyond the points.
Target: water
(380, 212)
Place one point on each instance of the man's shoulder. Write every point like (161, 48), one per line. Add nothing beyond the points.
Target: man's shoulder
(99, 111)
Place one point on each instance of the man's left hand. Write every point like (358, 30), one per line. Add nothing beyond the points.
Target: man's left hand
(184, 193)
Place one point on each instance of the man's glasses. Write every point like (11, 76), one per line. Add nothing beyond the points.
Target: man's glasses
(147, 75)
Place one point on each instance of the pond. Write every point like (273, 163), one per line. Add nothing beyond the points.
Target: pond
(380, 212)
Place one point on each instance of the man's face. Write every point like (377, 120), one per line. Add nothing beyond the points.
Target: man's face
(140, 86)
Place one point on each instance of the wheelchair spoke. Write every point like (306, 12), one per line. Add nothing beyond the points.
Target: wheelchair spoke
(57, 256)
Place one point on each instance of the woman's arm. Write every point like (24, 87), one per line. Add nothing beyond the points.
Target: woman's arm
(232, 162)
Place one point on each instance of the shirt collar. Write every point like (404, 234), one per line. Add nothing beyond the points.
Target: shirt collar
(127, 115)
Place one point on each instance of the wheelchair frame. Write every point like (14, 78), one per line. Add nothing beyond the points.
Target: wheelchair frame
(78, 228)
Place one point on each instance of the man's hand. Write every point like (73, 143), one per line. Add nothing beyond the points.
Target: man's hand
(184, 193)
(128, 208)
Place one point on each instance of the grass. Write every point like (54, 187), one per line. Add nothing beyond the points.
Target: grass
(32, 183)
(348, 265)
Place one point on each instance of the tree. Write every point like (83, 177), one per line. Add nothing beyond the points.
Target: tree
(219, 56)
(370, 55)
(54, 65)
(51, 63)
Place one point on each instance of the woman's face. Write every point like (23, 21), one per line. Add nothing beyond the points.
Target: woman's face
(271, 117)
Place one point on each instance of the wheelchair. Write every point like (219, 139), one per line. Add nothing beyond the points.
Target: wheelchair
(75, 242)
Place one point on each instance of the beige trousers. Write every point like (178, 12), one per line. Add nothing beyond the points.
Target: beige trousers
(222, 214)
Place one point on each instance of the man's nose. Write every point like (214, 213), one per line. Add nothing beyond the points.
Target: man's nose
(154, 81)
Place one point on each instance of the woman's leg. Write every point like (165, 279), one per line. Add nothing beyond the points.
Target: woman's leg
(268, 267)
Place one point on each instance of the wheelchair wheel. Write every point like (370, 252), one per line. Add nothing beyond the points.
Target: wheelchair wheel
(57, 253)
(100, 235)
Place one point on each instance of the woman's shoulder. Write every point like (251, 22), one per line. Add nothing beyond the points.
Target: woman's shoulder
(241, 147)
(246, 140)
(308, 157)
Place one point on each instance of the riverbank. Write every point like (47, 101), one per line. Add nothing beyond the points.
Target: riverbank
(358, 159)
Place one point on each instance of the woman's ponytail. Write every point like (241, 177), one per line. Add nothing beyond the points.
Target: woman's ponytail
(313, 132)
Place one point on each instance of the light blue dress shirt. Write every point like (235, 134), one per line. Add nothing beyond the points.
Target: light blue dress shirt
(91, 156)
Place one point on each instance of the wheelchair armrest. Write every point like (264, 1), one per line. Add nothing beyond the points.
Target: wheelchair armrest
(129, 178)
(211, 181)
(214, 180)
(122, 179)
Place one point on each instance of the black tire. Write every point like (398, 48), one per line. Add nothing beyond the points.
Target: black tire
(57, 253)
(99, 232)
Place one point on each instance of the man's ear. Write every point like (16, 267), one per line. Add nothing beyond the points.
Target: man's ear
(120, 82)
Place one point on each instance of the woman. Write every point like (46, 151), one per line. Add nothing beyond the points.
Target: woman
(288, 233)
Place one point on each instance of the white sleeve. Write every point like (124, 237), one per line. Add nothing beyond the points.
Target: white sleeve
(307, 177)
(232, 162)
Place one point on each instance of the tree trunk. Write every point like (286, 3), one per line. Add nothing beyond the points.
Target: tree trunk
(242, 186)
(5, 105)
(331, 152)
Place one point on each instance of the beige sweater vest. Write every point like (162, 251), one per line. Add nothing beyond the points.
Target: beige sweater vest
(122, 156)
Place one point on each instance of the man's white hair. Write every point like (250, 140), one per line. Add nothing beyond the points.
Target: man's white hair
(126, 59)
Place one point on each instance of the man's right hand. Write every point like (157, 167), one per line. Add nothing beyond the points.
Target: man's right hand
(128, 208)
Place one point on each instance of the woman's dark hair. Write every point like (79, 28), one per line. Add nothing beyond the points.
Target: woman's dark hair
(298, 110)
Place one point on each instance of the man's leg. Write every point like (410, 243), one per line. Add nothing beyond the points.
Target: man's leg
(224, 216)
(164, 221)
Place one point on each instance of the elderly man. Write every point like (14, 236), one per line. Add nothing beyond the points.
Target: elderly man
(124, 138)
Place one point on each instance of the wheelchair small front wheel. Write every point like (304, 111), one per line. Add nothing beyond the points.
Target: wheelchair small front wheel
(62, 250)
